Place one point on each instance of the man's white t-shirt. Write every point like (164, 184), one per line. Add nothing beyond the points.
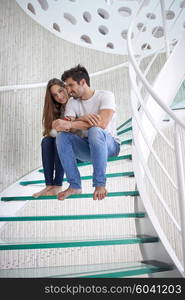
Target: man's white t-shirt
(100, 100)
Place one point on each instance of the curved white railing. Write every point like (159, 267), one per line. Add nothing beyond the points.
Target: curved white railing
(160, 197)
(43, 84)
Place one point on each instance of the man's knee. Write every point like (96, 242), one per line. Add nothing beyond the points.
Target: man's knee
(63, 138)
(95, 133)
(62, 135)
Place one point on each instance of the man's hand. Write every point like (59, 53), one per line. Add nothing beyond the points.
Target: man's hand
(91, 119)
(61, 125)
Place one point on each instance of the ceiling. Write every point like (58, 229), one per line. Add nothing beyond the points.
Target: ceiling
(103, 24)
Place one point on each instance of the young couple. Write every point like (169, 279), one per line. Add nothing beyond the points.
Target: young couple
(86, 126)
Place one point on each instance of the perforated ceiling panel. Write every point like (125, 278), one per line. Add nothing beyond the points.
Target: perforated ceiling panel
(103, 24)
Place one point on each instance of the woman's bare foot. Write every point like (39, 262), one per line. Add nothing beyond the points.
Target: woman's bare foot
(100, 193)
(68, 192)
(55, 189)
(42, 192)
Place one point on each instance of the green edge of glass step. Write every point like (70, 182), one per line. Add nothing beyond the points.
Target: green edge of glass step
(72, 217)
(113, 158)
(111, 175)
(125, 123)
(124, 130)
(145, 267)
(10, 245)
(124, 273)
(106, 270)
(111, 194)
(126, 142)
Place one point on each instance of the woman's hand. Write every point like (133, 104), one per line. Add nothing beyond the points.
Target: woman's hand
(61, 125)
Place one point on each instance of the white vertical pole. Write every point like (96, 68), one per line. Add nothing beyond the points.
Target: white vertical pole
(163, 13)
(181, 185)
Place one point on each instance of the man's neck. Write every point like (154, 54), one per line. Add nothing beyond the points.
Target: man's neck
(88, 94)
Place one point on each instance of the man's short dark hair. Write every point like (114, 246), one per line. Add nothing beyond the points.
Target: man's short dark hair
(77, 74)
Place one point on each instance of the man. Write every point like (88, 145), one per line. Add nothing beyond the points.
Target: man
(92, 112)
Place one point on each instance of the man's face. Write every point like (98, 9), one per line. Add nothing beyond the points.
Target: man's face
(74, 89)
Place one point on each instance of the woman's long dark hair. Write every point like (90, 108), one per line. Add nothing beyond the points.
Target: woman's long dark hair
(52, 109)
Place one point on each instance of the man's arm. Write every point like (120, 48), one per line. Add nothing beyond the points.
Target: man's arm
(85, 122)
(101, 119)
(74, 124)
(105, 116)
(92, 120)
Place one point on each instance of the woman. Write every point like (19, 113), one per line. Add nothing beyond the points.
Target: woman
(56, 98)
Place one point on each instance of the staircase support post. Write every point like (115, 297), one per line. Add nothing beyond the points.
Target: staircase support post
(163, 13)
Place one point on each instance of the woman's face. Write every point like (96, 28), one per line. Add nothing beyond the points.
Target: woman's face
(59, 93)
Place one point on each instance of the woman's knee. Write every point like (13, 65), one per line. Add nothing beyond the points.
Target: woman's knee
(47, 140)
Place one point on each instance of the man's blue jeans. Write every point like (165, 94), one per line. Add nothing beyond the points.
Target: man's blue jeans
(51, 162)
(97, 147)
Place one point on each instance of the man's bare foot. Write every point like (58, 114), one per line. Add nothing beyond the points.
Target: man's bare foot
(55, 189)
(100, 193)
(42, 192)
(68, 192)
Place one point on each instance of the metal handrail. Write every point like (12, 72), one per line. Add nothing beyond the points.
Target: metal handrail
(145, 82)
(149, 87)
(150, 117)
(139, 128)
(154, 154)
(153, 217)
(147, 171)
(43, 84)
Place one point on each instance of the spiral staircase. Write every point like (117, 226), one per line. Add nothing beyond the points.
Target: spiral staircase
(142, 217)
(100, 229)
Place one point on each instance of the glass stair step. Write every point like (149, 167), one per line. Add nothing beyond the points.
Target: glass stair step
(104, 270)
(119, 270)
(126, 142)
(35, 243)
(113, 158)
(72, 217)
(111, 175)
(125, 123)
(111, 194)
(124, 130)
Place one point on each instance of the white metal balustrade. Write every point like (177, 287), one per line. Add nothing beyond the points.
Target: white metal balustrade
(158, 150)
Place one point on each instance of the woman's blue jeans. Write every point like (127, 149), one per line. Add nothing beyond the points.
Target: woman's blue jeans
(53, 170)
(97, 147)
